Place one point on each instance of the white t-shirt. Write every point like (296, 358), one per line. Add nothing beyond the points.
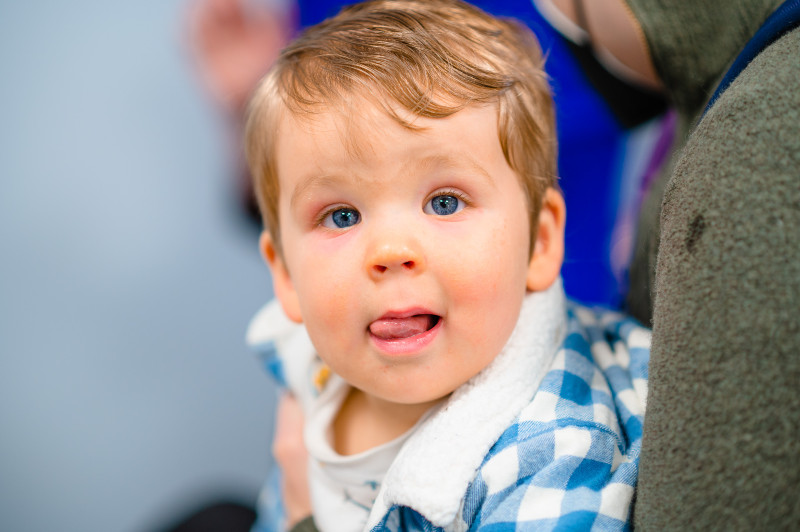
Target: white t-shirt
(343, 488)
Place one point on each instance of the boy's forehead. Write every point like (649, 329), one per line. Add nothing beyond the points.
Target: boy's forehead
(347, 115)
(332, 146)
(330, 133)
(357, 119)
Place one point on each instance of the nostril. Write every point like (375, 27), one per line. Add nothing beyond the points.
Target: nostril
(409, 264)
(379, 268)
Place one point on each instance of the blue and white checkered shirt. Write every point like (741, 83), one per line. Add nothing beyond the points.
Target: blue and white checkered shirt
(547, 437)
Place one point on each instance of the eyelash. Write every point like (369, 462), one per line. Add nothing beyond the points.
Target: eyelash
(320, 218)
(449, 192)
(460, 196)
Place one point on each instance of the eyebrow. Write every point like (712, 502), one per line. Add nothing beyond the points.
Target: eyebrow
(449, 162)
(431, 162)
(313, 181)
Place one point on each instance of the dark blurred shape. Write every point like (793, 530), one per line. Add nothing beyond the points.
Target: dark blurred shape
(216, 517)
(632, 105)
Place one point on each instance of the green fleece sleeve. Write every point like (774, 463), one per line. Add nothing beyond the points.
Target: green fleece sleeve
(722, 430)
(306, 525)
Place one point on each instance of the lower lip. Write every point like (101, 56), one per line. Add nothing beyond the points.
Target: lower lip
(407, 347)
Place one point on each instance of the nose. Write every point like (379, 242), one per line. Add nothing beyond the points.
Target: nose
(395, 256)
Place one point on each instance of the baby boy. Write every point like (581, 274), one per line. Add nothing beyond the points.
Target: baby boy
(403, 155)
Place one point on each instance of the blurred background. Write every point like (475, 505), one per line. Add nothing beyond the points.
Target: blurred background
(128, 258)
(127, 276)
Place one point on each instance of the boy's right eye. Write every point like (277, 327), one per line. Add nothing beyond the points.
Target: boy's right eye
(341, 218)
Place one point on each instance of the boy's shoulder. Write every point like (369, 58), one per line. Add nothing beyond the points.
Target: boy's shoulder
(286, 351)
(570, 459)
(597, 378)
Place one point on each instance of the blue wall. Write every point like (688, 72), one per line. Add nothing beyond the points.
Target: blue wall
(126, 278)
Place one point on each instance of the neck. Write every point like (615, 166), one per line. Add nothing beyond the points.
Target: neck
(365, 421)
(615, 34)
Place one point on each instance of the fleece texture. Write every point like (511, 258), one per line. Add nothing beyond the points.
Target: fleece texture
(722, 436)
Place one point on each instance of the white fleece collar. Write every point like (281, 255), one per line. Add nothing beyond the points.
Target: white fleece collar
(436, 465)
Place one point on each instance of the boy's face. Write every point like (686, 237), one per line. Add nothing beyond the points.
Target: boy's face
(405, 253)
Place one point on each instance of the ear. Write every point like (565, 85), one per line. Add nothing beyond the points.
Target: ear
(281, 282)
(548, 250)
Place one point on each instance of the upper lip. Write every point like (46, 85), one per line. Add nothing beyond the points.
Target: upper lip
(406, 313)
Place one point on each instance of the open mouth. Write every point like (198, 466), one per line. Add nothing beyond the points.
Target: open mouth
(392, 329)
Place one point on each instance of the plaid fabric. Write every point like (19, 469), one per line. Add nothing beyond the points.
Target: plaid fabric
(570, 459)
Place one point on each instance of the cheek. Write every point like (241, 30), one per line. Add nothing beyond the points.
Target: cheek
(323, 297)
(329, 297)
(324, 268)
(487, 280)
(326, 316)
(488, 257)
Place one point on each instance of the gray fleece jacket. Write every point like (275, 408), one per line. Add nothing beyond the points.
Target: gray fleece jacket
(719, 251)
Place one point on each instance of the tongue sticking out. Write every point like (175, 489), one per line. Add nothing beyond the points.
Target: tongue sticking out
(397, 328)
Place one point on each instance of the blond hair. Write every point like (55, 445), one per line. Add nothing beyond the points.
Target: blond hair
(431, 58)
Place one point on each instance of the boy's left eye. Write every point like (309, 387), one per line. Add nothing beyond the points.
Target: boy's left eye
(341, 218)
(443, 205)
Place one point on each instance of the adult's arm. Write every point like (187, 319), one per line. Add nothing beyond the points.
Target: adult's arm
(291, 455)
(721, 444)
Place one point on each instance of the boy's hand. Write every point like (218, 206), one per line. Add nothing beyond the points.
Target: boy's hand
(291, 455)
(234, 45)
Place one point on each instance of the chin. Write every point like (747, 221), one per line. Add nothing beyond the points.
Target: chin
(415, 399)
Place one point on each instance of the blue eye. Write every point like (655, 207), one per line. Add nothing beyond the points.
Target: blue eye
(341, 218)
(444, 205)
